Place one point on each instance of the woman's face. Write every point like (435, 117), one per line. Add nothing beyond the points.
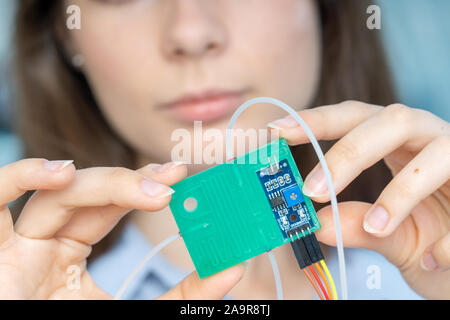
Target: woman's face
(158, 65)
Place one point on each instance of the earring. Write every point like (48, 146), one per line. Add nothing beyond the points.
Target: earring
(78, 60)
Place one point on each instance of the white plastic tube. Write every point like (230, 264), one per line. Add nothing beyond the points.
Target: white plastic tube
(276, 275)
(315, 144)
(150, 255)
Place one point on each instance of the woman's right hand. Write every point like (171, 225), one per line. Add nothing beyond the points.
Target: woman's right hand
(43, 256)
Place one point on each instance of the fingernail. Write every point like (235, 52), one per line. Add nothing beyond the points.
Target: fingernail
(273, 126)
(428, 263)
(245, 265)
(155, 190)
(315, 183)
(170, 165)
(153, 166)
(287, 122)
(57, 165)
(376, 220)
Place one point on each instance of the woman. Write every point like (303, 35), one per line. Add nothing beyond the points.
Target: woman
(111, 94)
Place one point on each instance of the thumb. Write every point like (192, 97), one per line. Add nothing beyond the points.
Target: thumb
(437, 257)
(213, 287)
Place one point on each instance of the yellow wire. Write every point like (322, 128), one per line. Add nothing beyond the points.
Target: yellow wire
(330, 294)
(330, 278)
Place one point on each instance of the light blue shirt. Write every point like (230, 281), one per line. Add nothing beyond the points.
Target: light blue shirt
(110, 270)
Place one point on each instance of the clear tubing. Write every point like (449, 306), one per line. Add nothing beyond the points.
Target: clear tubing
(315, 144)
(150, 255)
(276, 275)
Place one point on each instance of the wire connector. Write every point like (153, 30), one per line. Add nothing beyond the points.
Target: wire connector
(307, 250)
(313, 248)
(301, 253)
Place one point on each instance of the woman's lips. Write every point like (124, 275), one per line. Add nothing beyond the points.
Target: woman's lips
(208, 106)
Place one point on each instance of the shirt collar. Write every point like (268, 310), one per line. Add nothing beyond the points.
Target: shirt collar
(111, 269)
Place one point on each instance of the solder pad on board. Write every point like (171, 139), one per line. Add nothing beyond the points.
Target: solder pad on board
(234, 219)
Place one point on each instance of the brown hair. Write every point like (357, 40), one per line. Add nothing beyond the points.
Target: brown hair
(58, 117)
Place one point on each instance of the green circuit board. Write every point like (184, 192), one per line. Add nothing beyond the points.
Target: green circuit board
(242, 208)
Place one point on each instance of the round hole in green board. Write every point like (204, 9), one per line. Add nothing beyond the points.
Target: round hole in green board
(190, 204)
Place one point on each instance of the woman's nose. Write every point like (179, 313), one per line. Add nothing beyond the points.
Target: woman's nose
(193, 31)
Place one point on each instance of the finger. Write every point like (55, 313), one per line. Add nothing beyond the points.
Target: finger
(371, 141)
(90, 225)
(354, 236)
(213, 287)
(327, 122)
(33, 174)
(437, 257)
(168, 174)
(422, 176)
(29, 174)
(6, 225)
(46, 212)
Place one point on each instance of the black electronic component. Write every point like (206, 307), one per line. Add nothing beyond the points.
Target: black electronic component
(276, 201)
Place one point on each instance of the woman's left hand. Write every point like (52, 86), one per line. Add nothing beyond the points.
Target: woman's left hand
(410, 221)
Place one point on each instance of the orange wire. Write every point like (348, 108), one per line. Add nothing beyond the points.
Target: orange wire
(319, 282)
(324, 279)
(313, 283)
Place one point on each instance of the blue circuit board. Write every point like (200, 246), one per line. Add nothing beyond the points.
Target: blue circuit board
(287, 201)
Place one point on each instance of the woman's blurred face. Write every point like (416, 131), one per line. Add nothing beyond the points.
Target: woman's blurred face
(158, 65)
